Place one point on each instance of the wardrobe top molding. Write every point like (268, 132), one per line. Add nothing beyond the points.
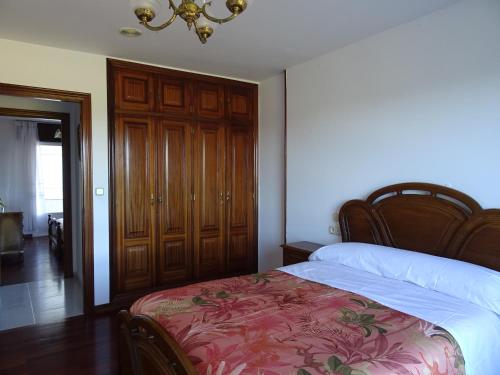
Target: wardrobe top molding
(114, 63)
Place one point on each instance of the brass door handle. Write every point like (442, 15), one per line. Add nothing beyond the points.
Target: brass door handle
(152, 200)
(160, 200)
(228, 196)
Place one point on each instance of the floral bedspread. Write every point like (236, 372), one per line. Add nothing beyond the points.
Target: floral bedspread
(276, 323)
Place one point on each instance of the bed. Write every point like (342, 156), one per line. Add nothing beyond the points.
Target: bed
(349, 310)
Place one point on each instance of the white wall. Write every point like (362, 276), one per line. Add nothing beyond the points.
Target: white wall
(33, 65)
(271, 175)
(7, 134)
(420, 102)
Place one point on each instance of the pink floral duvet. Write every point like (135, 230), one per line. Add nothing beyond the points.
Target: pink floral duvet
(276, 323)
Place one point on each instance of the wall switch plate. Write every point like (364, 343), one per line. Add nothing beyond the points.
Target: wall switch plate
(99, 192)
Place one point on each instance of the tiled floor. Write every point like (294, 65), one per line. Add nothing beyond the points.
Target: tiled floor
(39, 302)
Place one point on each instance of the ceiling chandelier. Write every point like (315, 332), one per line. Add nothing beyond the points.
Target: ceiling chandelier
(192, 12)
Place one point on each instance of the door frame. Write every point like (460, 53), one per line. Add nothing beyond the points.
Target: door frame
(67, 168)
(85, 144)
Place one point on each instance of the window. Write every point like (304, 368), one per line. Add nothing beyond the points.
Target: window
(49, 178)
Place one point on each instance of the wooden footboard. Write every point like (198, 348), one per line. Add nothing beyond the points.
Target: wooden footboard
(147, 349)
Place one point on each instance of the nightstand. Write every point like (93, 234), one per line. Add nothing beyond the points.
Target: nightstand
(298, 252)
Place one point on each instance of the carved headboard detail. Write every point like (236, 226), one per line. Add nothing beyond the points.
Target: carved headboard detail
(426, 218)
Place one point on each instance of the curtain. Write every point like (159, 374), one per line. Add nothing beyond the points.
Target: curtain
(21, 177)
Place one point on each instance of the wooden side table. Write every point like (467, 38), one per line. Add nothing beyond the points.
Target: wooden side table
(298, 252)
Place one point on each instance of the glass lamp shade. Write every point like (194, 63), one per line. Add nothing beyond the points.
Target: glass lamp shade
(203, 22)
(153, 5)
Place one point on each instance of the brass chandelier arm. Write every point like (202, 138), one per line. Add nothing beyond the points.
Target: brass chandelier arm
(166, 24)
(162, 26)
(214, 19)
(172, 5)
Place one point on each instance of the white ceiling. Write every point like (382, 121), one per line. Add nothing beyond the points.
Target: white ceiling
(269, 36)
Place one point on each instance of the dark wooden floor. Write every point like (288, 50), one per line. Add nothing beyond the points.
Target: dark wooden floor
(82, 345)
(39, 264)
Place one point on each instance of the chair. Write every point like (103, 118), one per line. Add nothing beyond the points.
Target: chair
(11, 236)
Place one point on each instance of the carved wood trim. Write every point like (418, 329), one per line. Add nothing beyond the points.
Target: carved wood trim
(146, 348)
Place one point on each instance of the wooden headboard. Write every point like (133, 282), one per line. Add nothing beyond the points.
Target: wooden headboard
(426, 218)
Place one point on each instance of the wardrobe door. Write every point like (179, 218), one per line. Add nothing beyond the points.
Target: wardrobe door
(134, 91)
(174, 95)
(174, 256)
(134, 203)
(240, 104)
(240, 199)
(209, 100)
(209, 200)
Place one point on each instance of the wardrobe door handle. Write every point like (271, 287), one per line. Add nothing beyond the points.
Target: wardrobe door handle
(160, 200)
(228, 196)
(221, 195)
(152, 200)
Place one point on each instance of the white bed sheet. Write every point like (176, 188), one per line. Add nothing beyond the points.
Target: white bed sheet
(476, 329)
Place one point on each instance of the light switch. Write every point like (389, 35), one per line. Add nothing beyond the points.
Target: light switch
(99, 191)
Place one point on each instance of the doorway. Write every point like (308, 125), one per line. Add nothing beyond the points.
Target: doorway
(40, 266)
(59, 235)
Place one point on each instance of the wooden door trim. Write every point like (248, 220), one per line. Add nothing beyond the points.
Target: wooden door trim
(255, 122)
(84, 100)
(285, 156)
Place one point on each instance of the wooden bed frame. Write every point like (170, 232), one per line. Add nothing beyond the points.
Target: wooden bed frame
(421, 217)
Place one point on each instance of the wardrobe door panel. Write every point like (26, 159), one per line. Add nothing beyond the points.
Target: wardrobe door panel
(240, 104)
(240, 205)
(209, 100)
(209, 198)
(137, 266)
(174, 96)
(174, 201)
(134, 209)
(134, 91)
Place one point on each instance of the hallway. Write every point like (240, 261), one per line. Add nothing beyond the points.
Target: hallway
(35, 291)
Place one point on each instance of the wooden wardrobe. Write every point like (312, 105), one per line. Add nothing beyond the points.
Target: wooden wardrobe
(183, 177)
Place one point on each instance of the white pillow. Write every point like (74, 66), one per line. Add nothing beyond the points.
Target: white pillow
(469, 282)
